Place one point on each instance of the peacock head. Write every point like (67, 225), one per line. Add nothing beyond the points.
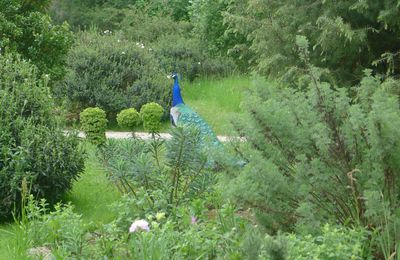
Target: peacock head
(174, 75)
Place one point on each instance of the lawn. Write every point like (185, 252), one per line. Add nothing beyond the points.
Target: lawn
(92, 194)
(217, 101)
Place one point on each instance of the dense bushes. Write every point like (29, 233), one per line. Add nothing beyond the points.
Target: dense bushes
(318, 157)
(94, 123)
(25, 28)
(333, 243)
(109, 72)
(189, 57)
(162, 26)
(33, 148)
(346, 36)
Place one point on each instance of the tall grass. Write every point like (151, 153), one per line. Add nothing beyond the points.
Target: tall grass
(216, 100)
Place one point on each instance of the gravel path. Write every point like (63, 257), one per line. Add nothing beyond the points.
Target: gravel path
(146, 136)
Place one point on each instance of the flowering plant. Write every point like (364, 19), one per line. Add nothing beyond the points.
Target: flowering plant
(139, 225)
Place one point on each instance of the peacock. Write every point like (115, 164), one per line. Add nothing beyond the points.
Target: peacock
(181, 115)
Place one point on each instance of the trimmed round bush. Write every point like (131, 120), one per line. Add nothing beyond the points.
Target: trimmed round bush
(151, 115)
(94, 123)
(35, 155)
(128, 118)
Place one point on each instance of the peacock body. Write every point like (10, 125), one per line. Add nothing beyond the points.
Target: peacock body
(182, 115)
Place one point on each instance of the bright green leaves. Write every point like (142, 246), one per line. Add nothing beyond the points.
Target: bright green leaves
(94, 123)
(151, 114)
(27, 30)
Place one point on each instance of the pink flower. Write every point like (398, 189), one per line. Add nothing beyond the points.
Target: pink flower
(193, 220)
(139, 225)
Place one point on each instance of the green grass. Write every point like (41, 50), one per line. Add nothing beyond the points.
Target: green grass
(92, 194)
(216, 100)
(5, 240)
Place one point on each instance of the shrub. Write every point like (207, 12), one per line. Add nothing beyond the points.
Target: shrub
(109, 72)
(188, 56)
(27, 30)
(143, 27)
(94, 124)
(173, 176)
(151, 115)
(32, 145)
(346, 36)
(319, 156)
(332, 243)
(128, 118)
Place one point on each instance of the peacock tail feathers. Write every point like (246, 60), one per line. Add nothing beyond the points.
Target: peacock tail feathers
(186, 116)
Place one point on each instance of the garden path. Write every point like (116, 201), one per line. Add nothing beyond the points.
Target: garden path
(147, 136)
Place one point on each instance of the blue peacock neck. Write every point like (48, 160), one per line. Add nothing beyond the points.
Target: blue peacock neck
(176, 93)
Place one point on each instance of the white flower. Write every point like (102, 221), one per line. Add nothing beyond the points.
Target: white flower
(123, 52)
(169, 77)
(118, 40)
(139, 225)
(199, 62)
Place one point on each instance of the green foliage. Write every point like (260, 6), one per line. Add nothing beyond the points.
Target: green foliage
(174, 45)
(142, 27)
(93, 188)
(109, 14)
(189, 57)
(168, 33)
(60, 227)
(317, 156)
(207, 19)
(33, 147)
(107, 71)
(151, 114)
(94, 123)
(161, 177)
(346, 36)
(128, 118)
(332, 243)
(61, 233)
(28, 30)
